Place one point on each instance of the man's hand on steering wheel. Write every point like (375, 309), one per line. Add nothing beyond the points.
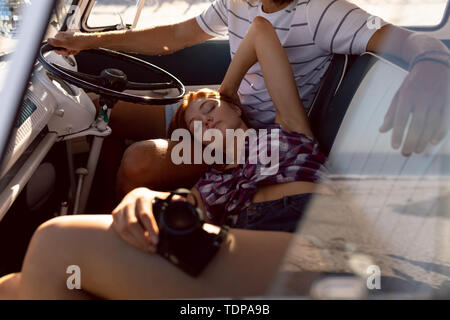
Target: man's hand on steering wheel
(73, 42)
(113, 83)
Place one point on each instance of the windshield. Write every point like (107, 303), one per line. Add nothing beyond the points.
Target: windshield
(385, 232)
(154, 12)
(11, 17)
(406, 12)
(10, 20)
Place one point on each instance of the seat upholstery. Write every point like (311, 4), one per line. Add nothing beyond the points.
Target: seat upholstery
(336, 91)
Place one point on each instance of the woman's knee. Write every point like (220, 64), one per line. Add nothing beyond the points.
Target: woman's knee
(262, 24)
(45, 244)
(64, 234)
(142, 160)
(9, 286)
(47, 234)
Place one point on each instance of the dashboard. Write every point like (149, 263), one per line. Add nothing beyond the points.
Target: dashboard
(50, 104)
(37, 108)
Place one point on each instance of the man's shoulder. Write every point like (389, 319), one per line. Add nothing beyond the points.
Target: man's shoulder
(325, 4)
(329, 10)
(241, 5)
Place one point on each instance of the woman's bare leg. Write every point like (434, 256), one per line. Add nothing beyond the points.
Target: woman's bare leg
(110, 268)
(9, 286)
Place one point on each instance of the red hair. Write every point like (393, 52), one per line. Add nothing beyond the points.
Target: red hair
(178, 120)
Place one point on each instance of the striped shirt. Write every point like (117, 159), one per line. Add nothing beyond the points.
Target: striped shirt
(310, 32)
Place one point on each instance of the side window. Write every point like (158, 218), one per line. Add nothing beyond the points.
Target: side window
(155, 12)
(408, 13)
(110, 13)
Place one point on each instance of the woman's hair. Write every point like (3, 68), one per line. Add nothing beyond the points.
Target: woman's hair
(178, 121)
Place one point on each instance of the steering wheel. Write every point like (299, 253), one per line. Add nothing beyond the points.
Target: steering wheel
(112, 82)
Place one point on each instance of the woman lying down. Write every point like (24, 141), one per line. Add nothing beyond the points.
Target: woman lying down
(147, 250)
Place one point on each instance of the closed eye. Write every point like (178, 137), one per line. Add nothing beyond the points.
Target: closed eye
(211, 107)
(208, 107)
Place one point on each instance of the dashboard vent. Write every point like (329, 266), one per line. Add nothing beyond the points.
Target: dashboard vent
(28, 107)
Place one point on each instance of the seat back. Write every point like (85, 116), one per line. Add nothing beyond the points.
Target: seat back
(333, 97)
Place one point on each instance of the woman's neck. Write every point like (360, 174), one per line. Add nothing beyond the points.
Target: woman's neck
(268, 6)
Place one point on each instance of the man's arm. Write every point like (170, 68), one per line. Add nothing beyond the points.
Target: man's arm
(150, 41)
(424, 93)
(402, 43)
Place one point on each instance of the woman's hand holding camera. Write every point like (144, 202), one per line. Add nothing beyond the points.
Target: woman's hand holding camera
(133, 219)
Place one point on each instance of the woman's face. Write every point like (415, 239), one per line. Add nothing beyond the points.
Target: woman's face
(214, 114)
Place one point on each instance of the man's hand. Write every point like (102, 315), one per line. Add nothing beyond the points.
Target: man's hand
(425, 94)
(133, 219)
(71, 41)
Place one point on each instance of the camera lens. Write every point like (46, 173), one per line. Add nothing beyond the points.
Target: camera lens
(179, 216)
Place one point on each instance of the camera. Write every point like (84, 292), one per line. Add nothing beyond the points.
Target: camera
(182, 239)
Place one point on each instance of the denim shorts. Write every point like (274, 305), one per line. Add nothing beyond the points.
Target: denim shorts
(276, 215)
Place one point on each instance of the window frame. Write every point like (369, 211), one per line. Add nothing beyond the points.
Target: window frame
(84, 27)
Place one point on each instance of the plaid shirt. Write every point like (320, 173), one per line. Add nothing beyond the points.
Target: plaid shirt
(226, 193)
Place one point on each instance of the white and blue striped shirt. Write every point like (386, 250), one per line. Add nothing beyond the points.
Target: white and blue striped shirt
(310, 32)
